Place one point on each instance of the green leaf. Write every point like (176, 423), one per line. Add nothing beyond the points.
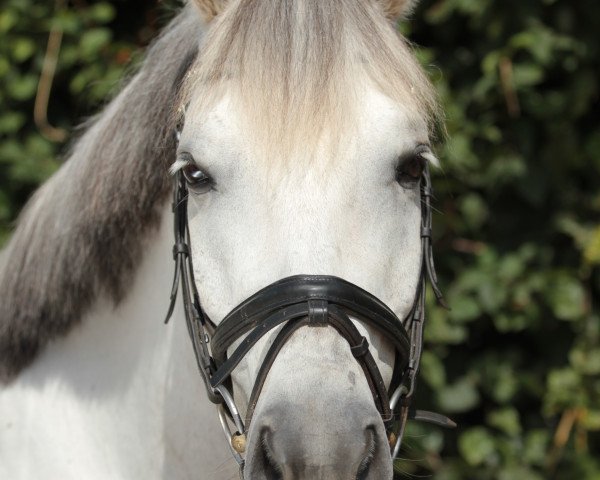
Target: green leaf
(506, 420)
(586, 360)
(11, 122)
(432, 370)
(22, 49)
(512, 322)
(475, 210)
(511, 267)
(500, 380)
(102, 12)
(476, 446)
(527, 75)
(8, 19)
(440, 330)
(564, 390)
(491, 295)
(5, 66)
(566, 297)
(458, 397)
(93, 40)
(591, 253)
(536, 447)
(464, 308)
(22, 88)
(68, 21)
(591, 420)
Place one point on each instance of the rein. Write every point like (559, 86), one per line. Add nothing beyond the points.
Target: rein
(295, 302)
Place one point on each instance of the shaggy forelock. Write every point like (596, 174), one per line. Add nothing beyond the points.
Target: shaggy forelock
(295, 69)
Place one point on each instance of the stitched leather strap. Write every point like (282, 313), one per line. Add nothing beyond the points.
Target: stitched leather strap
(303, 288)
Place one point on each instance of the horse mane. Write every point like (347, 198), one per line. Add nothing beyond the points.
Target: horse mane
(81, 234)
(315, 56)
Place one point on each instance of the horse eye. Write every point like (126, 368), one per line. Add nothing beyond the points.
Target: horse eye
(197, 181)
(409, 172)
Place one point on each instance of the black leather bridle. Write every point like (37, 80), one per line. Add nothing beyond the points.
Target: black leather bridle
(294, 302)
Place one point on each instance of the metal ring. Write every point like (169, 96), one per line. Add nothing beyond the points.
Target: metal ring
(401, 390)
(235, 414)
(403, 419)
(228, 434)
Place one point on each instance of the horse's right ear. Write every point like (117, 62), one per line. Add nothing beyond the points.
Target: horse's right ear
(210, 8)
(396, 9)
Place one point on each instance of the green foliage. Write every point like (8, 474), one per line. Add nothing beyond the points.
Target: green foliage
(516, 362)
(93, 59)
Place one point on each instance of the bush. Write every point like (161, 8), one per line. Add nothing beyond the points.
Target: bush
(516, 362)
(517, 359)
(100, 43)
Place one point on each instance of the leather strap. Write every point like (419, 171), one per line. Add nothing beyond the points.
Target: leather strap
(339, 320)
(304, 288)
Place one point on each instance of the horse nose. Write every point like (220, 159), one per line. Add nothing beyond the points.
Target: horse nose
(286, 447)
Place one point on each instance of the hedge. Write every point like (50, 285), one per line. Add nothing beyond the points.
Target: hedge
(516, 361)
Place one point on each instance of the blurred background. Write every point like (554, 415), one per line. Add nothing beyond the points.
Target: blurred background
(516, 362)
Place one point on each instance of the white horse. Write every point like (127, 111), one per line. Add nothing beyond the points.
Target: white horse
(307, 129)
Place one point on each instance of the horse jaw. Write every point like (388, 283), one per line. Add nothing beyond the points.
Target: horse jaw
(339, 212)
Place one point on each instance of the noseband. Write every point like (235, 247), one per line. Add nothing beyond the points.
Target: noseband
(295, 302)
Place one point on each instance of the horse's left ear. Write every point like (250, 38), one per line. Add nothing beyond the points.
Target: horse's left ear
(395, 9)
(210, 8)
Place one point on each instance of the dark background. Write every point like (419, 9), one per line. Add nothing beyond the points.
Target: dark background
(516, 362)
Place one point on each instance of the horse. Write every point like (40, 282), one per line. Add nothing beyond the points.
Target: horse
(286, 146)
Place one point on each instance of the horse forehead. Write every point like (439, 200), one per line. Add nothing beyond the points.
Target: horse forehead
(220, 134)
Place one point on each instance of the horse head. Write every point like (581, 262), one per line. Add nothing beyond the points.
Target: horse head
(302, 161)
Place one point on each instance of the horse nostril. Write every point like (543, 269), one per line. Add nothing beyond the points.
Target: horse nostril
(351, 449)
(371, 445)
(272, 468)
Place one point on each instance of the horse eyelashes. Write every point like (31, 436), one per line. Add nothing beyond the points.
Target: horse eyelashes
(197, 181)
(410, 170)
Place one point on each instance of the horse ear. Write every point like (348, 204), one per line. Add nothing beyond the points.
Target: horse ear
(395, 9)
(210, 8)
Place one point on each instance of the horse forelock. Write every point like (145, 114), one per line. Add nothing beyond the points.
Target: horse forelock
(82, 234)
(316, 57)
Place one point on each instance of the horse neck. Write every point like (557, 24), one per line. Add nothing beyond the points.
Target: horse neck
(125, 384)
(151, 366)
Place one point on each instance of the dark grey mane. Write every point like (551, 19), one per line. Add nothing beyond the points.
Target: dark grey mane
(81, 235)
